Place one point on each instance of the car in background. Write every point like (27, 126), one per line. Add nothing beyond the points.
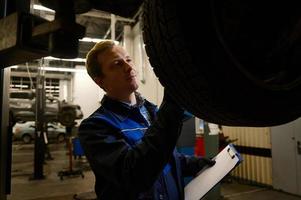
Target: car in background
(22, 108)
(26, 132)
(21, 105)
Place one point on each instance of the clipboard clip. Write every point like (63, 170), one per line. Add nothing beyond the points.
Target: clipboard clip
(231, 153)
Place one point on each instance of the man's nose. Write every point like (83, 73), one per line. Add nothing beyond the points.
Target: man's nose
(128, 66)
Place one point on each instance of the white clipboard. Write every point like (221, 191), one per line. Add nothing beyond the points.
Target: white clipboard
(226, 161)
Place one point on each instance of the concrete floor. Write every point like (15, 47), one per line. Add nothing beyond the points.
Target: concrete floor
(52, 188)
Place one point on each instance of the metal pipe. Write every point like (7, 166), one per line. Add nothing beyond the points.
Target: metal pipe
(113, 23)
(103, 15)
(107, 33)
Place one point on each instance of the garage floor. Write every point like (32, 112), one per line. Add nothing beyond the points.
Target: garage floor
(52, 188)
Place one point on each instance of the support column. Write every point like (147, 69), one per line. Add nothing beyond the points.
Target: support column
(5, 135)
(39, 145)
(6, 7)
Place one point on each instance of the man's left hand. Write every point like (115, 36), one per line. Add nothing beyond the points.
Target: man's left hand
(203, 162)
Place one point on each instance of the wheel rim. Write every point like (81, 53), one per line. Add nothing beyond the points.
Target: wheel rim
(60, 138)
(26, 139)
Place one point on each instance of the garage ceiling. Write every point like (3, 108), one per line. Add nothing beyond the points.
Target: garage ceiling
(98, 25)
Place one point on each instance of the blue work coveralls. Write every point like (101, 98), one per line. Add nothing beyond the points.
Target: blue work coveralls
(132, 159)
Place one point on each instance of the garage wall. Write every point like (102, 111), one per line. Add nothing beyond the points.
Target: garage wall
(85, 92)
(149, 85)
(286, 151)
(255, 146)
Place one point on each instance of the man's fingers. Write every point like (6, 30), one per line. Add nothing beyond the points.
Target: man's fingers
(209, 161)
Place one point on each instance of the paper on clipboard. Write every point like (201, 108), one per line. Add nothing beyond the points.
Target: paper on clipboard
(226, 160)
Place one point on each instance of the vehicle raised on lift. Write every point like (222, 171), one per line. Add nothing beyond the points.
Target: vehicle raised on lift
(22, 108)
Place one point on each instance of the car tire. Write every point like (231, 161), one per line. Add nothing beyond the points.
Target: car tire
(61, 138)
(67, 117)
(209, 66)
(26, 138)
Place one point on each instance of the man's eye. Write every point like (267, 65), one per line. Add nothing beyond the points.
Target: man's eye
(128, 60)
(117, 62)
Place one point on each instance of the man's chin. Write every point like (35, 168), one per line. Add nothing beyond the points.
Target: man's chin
(135, 87)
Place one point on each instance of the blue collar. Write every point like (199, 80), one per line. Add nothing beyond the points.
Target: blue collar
(122, 110)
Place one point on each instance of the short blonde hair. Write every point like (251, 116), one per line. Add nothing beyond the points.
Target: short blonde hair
(92, 65)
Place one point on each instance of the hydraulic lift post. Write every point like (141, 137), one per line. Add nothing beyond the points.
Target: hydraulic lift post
(39, 147)
(5, 136)
(6, 7)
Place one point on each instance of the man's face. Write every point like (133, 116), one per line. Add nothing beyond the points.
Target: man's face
(119, 76)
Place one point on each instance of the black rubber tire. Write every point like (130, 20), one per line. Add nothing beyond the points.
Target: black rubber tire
(26, 138)
(195, 66)
(67, 117)
(61, 138)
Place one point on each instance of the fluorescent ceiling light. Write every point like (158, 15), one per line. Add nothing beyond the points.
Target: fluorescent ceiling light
(14, 66)
(88, 39)
(56, 69)
(43, 8)
(95, 40)
(65, 59)
(62, 69)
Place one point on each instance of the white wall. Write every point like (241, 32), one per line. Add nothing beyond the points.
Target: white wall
(85, 92)
(65, 90)
(149, 85)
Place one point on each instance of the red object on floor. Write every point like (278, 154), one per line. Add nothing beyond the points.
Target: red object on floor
(199, 149)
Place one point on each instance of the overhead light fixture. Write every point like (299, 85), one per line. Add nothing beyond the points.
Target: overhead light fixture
(62, 69)
(65, 59)
(56, 69)
(88, 39)
(95, 40)
(43, 8)
(14, 66)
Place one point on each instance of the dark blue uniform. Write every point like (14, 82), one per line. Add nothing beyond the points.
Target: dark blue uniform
(132, 159)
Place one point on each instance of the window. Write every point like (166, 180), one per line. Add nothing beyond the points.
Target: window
(52, 85)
